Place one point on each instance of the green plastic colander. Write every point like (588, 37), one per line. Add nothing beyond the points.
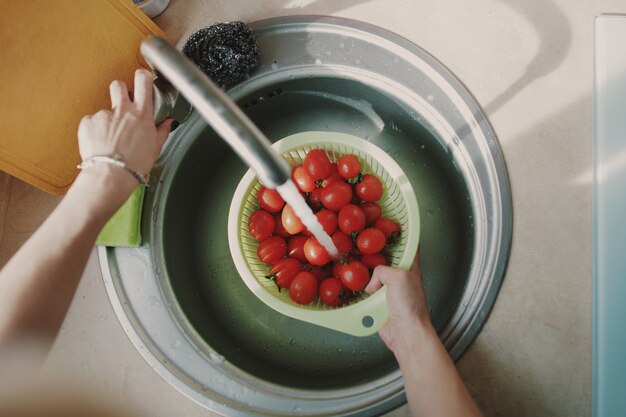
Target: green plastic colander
(365, 315)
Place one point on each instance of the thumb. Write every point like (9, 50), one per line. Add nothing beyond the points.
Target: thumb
(163, 130)
(415, 267)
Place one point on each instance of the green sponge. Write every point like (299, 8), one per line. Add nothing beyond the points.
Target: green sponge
(124, 228)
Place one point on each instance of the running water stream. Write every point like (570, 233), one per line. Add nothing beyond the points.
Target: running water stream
(290, 193)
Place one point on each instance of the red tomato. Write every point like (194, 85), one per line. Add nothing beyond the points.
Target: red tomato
(279, 229)
(369, 189)
(295, 248)
(302, 179)
(371, 261)
(351, 219)
(261, 225)
(336, 269)
(303, 288)
(291, 222)
(333, 177)
(270, 200)
(315, 253)
(315, 199)
(336, 195)
(317, 165)
(372, 212)
(328, 220)
(348, 166)
(272, 250)
(390, 229)
(284, 271)
(354, 276)
(342, 241)
(320, 272)
(370, 241)
(331, 292)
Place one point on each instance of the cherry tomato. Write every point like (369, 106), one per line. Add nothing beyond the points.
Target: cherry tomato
(302, 180)
(315, 199)
(328, 220)
(354, 276)
(320, 272)
(369, 189)
(342, 242)
(272, 250)
(315, 253)
(291, 222)
(390, 229)
(336, 195)
(333, 177)
(270, 200)
(372, 212)
(303, 288)
(370, 241)
(317, 165)
(261, 225)
(336, 269)
(331, 292)
(284, 271)
(371, 261)
(348, 166)
(295, 248)
(279, 229)
(351, 219)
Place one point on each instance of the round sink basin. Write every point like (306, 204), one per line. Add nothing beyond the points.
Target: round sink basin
(179, 296)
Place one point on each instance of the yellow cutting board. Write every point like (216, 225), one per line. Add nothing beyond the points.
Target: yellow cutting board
(57, 59)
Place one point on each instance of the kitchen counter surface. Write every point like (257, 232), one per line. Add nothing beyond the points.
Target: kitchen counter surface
(529, 63)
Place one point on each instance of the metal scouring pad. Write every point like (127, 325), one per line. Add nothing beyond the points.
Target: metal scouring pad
(226, 52)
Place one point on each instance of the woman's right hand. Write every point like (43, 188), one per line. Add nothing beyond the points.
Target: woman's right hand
(408, 312)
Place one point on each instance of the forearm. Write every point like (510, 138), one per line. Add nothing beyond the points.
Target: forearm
(38, 283)
(433, 385)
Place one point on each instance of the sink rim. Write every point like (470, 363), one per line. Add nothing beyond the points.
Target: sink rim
(455, 342)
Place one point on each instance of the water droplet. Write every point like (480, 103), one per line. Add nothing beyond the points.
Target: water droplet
(423, 146)
(216, 358)
(274, 66)
(455, 140)
(318, 61)
(292, 342)
(395, 60)
(341, 45)
(430, 97)
(153, 301)
(429, 213)
(175, 344)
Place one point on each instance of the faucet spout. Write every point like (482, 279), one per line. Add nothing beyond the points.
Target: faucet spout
(218, 110)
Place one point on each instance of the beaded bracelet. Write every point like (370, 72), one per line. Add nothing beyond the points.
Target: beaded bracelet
(116, 160)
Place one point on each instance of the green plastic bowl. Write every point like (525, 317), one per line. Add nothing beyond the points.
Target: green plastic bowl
(366, 314)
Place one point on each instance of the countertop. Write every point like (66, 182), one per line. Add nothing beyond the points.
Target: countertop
(529, 63)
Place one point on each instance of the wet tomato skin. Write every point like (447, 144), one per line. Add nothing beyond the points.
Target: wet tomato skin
(261, 225)
(303, 288)
(272, 249)
(270, 199)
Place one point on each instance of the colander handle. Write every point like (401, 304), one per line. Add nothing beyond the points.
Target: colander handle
(361, 319)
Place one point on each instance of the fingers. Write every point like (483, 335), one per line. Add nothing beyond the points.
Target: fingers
(119, 94)
(163, 130)
(143, 90)
(379, 278)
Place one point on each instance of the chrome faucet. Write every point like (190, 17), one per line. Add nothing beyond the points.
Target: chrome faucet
(217, 109)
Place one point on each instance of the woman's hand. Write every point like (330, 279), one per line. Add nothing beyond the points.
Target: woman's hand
(408, 312)
(127, 130)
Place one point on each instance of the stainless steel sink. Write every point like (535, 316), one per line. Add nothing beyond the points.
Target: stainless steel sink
(179, 297)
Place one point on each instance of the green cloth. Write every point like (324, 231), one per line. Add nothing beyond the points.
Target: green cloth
(124, 228)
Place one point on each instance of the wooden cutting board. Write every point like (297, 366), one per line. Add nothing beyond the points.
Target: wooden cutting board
(57, 59)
